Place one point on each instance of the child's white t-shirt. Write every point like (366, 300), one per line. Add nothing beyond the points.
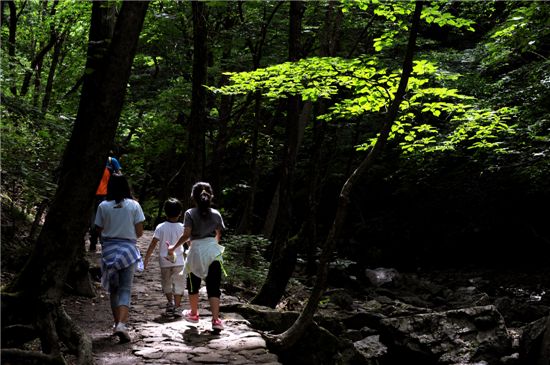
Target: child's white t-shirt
(169, 232)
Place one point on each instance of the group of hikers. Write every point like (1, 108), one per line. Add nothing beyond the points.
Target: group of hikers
(189, 252)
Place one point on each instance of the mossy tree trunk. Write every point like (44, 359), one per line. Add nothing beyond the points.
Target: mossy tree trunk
(34, 297)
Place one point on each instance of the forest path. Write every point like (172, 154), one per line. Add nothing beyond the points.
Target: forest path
(160, 340)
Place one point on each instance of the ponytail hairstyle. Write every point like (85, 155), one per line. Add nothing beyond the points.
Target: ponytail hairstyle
(118, 188)
(202, 195)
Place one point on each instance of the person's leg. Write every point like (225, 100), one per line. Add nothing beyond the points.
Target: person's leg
(123, 314)
(126, 277)
(193, 285)
(177, 300)
(194, 304)
(213, 281)
(166, 283)
(124, 291)
(178, 285)
(113, 298)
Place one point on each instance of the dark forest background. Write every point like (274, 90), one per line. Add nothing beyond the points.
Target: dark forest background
(459, 206)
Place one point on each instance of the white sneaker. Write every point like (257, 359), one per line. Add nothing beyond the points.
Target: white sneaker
(122, 332)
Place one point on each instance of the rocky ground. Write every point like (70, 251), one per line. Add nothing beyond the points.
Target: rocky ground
(374, 316)
(160, 340)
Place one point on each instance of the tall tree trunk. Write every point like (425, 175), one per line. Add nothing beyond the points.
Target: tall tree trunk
(38, 288)
(256, 52)
(329, 38)
(53, 68)
(11, 41)
(225, 108)
(293, 334)
(284, 250)
(245, 223)
(39, 58)
(197, 121)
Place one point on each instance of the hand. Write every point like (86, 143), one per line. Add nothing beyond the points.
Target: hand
(171, 250)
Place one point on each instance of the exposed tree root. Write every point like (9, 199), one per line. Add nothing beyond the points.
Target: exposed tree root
(23, 357)
(53, 327)
(18, 334)
(75, 339)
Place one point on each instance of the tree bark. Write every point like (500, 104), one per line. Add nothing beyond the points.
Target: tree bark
(329, 39)
(197, 121)
(284, 250)
(40, 284)
(256, 52)
(11, 41)
(53, 68)
(39, 58)
(293, 334)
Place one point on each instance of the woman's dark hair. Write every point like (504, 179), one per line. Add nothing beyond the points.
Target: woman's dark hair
(202, 195)
(172, 207)
(118, 188)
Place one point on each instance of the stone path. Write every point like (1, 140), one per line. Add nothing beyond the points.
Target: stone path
(160, 340)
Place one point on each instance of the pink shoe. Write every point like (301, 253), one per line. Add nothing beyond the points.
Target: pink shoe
(189, 317)
(217, 324)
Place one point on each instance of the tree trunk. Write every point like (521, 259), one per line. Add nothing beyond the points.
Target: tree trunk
(40, 284)
(284, 250)
(53, 68)
(293, 334)
(256, 52)
(197, 121)
(245, 223)
(39, 58)
(226, 105)
(329, 39)
(11, 42)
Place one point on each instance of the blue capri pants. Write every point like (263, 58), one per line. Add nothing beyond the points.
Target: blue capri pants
(121, 292)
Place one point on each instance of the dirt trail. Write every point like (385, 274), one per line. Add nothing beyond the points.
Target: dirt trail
(160, 340)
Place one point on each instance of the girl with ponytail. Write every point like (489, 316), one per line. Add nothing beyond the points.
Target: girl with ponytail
(203, 226)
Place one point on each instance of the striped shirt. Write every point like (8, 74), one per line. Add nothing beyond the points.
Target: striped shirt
(118, 254)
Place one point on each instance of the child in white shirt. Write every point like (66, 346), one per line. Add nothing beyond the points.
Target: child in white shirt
(171, 267)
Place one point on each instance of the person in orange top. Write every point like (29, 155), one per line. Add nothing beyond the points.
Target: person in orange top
(112, 167)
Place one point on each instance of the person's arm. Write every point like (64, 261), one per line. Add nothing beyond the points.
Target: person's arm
(218, 235)
(139, 229)
(150, 250)
(184, 238)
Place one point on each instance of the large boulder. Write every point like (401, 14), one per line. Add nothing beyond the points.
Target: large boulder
(535, 342)
(463, 336)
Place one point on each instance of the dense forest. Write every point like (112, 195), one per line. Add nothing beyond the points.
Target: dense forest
(335, 134)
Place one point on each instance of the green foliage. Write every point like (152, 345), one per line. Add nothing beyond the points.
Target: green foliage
(244, 261)
(521, 33)
(33, 137)
(31, 148)
(396, 15)
(372, 88)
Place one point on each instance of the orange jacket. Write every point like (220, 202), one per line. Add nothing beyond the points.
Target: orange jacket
(102, 188)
